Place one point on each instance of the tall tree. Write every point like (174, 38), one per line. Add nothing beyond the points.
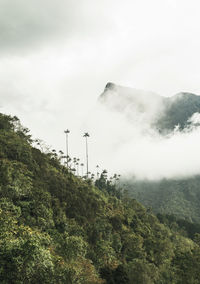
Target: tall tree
(77, 168)
(74, 161)
(86, 135)
(67, 145)
(97, 171)
(82, 165)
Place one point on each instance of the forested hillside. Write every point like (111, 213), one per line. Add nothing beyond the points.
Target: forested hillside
(177, 110)
(56, 227)
(180, 197)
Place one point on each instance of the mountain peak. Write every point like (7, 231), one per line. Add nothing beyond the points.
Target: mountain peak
(164, 113)
(110, 86)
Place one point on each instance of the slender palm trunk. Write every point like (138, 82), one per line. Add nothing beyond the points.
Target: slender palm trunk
(86, 135)
(87, 155)
(77, 169)
(67, 147)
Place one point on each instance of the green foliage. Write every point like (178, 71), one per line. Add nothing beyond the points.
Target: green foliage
(58, 228)
(178, 110)
(178, 197)
(24, 253)
(141, 271)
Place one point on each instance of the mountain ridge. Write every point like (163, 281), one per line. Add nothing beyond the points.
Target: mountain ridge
(165, 113)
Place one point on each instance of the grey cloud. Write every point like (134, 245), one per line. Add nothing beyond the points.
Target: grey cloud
(84, 44)
(26, 23)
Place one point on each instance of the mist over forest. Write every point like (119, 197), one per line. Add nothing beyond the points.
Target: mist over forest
(144, 135)
(99, 142)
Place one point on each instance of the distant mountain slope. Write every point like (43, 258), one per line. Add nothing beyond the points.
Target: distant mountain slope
(180, 197)
(163, 113)
(178, 109)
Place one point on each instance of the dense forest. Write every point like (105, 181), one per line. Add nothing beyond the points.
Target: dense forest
(179, 197)
(177, 110)
(56, 227)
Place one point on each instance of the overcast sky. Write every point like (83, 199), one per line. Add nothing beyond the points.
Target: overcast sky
(57, 56)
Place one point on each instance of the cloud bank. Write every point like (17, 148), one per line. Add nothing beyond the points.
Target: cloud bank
(129, 145)
(56, 56)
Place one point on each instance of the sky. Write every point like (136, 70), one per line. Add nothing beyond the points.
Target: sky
(57, 56)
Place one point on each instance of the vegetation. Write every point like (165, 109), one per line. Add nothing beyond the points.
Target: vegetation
(56, 227)
(179, 197)
(178, 109)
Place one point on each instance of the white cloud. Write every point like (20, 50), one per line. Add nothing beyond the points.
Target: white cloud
(57, 56)
(133, 148)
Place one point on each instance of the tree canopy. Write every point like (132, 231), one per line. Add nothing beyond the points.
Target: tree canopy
(56, 227)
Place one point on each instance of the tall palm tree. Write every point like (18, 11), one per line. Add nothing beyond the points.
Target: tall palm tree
(67, 146)
(97, 171)
(86, 135)
(105, 172)
(77, 168)
(82, 165)
(74, 161)
(77, 164)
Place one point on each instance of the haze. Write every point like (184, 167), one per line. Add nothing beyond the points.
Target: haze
(57, 56)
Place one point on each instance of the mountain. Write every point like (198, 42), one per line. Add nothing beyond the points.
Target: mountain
(135, 105)
(177, 111)
(177, 196)
(162, 113)
(56, 227)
